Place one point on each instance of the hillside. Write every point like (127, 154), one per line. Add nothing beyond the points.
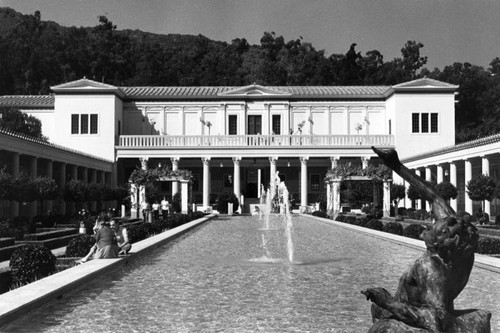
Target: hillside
(37, 54)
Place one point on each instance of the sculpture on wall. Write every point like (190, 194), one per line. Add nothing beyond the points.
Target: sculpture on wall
(423, 301)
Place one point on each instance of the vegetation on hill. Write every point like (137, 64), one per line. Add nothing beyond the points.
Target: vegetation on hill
(36, 54)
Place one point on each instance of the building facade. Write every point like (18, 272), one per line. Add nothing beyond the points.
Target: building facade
(234, 139)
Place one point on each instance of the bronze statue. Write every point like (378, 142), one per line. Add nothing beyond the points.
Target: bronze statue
(423, 301)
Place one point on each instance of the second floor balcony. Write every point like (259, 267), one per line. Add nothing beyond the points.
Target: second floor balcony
(253, 141)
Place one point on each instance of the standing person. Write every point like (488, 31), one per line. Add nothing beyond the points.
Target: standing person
(144, 208)
(156, 210)
(121, 237)
(164, 208)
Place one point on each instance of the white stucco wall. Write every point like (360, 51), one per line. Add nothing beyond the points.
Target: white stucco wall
(105, 106)
(408, 143)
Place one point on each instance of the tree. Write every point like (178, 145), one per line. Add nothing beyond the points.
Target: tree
(447, 190)
(14, 120)
(23, 188)
(75, 191)
(5, 184)
(481, 188)
(413, 193)
(46, 189)
(398, 192)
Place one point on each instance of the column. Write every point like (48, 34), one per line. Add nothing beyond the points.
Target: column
(142, 188)
(134, 205)
(485, 170)
(184, 197)
(335, 161)
(336, 198)
(428, 177)
(175, 167)
(93, 180)
(50, 174)
(387, 198)
(33, 175)
(364, 161)
(85, 181)
(61, 182)
(439, 173)
(206, 182)
(14, 205)
(303, 182)
(453, 180)
(236, 178)
(419, 202)
(74, 172)
(272, 161)
(468, 177)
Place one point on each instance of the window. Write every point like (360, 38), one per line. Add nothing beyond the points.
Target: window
(315, 182)
(415, 124)
(424, 122)
(93, 124)
(434, 122)
(254, 125)
(75, 128)
(84, 123)
(276, 124)
(232, 124)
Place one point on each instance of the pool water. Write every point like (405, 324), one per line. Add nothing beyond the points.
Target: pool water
(230, 276)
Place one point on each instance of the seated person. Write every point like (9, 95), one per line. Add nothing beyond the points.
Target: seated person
(121, 237)
(106, 245)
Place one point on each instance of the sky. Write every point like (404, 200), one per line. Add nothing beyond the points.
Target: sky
(451, 30)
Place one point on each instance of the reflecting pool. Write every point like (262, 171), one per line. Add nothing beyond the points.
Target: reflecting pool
(229, 275)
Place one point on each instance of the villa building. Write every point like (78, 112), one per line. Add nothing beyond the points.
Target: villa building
(234, 138)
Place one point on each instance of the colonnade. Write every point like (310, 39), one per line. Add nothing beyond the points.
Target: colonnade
(452, 171)
(236, 175)
(59, 171)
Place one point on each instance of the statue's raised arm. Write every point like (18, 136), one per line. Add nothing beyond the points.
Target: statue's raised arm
(423, 301)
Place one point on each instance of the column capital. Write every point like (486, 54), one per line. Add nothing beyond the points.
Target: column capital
(273, 159)
(205, 160)
(175, 159)
(364, 161)
(304, 159)
(236, 160)
(144, 162)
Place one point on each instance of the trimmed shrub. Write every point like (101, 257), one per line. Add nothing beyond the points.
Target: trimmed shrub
(137, 232)
(350, 219)
(319, 213)
(340, 218)
(402, 211)
(413, 231)
(497, 220)
(224, 199)
(30, 263)
(393, 228)
(488, 245)
(420, 214)
(362, 222)
(197, 215)
(375, 224)
(79, 246)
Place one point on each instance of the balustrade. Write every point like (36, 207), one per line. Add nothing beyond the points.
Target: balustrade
(152, 141)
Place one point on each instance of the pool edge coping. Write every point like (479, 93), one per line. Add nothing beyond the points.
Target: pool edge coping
(22, 300)
(480, 260)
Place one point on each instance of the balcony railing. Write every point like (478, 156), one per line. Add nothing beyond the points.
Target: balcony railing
(150, 141)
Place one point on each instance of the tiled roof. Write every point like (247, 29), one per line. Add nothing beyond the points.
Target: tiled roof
(450, 149)
(28, 101)
(297, 91)
(34, 140)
